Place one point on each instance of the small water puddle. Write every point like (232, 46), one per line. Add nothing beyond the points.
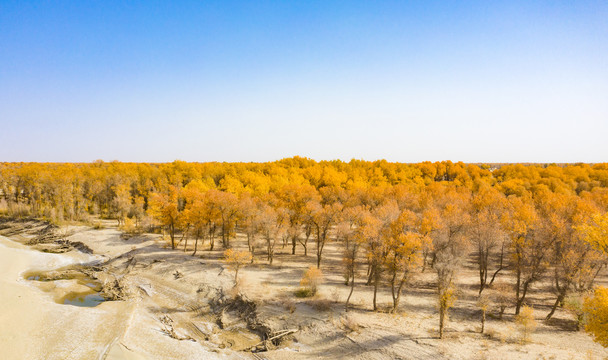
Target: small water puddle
(69, 286)
(90, 300)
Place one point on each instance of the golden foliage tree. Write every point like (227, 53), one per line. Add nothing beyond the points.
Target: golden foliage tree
(165, 209)
(322, 218)
(488, 207)
(236, 259)
(596, 310)
(526, 322)
(405, 244)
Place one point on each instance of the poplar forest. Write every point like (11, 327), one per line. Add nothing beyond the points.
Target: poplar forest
(338, 259)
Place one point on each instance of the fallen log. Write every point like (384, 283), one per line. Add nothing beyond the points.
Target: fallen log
(268, 343)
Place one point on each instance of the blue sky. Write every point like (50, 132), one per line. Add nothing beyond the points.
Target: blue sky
(514, 81)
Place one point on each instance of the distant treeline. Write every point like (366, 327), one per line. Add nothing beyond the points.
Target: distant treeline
(72, 190)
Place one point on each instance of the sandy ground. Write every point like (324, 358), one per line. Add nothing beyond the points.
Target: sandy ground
(34, 326)
(180, 306)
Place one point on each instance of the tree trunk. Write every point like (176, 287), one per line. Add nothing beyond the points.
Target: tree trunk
(319, 251)
(305, 244)
(375, 294)
(500, 267)
(559, 299)
(517, 289)
(270, 250)
(399, 288)
(352, 288)
(441, 321)
(424, 260)
(393, 295)
(376, 283)
(293, 244)
(483, 269)
(520, 301)
(172, 235)
(225, 235)
(195, 245)
(370, 273)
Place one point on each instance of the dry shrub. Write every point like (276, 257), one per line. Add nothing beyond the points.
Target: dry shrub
(595, 307)
(98, 225)
(128, 225)
(501, 296)
(129, 229)
(447, 298)
(239, 288)
(483, 354)
(335, 295)
(320, 304)
(312, 279)
(349, 324)
(289, 305)
(22, 210)
(526, 322)
(303, 293)
(496, 335)
(483, 303)
(3, 209)
(574, 305)
(235, 291)
(310, 282)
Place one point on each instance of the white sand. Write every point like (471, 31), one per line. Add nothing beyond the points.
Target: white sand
(33, 326)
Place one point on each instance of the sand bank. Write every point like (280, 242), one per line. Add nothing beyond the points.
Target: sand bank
(34, 326)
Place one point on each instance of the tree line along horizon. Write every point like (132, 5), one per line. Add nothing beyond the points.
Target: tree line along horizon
(390, 220)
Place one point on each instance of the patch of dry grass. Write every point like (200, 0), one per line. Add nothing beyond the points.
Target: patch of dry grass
(320, 304)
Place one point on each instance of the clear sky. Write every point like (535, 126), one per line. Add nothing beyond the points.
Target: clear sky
(408, 81)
